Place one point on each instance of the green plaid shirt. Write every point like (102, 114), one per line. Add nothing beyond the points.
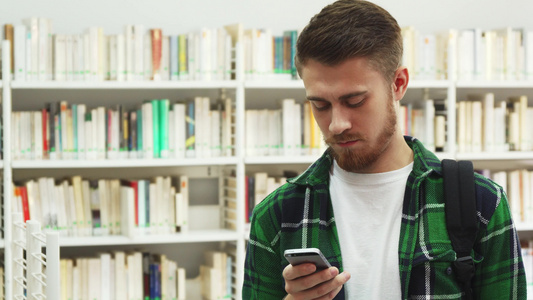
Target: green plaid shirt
(300, 215)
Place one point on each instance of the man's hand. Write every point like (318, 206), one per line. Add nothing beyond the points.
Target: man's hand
(302, 283)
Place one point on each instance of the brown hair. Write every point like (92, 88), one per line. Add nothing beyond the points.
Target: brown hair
(352, 28)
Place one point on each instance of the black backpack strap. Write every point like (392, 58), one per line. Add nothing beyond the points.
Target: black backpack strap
(461, 217)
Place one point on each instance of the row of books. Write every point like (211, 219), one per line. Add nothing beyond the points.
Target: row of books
(469, 54)
(136, 54)
(216, 275)
(258, 186)
(518, 185)
(195, 128)
(82, 207)
(527, 259)
(289, 131)
(484, 124)
(122, 276)
(426, 122)
(267, 56)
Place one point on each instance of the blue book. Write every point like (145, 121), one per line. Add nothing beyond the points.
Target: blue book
(174, 58)
(190, 141)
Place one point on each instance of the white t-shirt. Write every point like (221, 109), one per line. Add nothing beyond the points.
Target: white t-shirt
(368, 212)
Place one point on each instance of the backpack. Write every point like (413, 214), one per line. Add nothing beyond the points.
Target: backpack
(461, 218)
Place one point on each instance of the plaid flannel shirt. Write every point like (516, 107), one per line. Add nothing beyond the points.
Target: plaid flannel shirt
(300, 215)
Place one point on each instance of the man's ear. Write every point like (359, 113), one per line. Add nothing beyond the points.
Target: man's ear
(400, 82)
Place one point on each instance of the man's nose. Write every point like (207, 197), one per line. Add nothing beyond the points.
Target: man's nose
(340, 120)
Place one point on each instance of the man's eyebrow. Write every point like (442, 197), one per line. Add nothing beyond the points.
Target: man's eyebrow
(342, 98)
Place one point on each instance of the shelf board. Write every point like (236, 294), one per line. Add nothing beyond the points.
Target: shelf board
(507, 155)
(103, 85)
(431, 84)
(193, 236)
(524, 226)
(260, 160)
(121, 163)
(274, 84)
(494, 84)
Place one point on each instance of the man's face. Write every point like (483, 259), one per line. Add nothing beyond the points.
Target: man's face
(354, 107)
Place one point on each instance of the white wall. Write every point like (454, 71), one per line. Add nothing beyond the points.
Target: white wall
(179, 16)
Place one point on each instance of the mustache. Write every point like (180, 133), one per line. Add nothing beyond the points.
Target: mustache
(342, 138)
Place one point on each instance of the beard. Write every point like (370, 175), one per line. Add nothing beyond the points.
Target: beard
(354, 160)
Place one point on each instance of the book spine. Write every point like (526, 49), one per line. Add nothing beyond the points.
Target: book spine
(155, 128)
(163, 127)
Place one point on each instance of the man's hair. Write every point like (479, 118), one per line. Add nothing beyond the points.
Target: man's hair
(352, 28)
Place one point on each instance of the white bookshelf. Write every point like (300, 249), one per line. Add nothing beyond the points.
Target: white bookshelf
(257, 93)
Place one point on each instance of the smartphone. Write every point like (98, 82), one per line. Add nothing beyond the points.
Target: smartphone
(307, 255)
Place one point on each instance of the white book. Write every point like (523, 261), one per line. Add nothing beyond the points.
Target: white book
(141, 188)
(147, 128)
(167, 208)
(184, 191)
(127, 220)
(79, 204)
(44, 55)
(147, 57)
(87, 213)
(526, 195)
(138, 46)
(250, 132)
(477, 129)
(19, 33)
(171, 133)
(93, 53)
(500, 127)
(94, 279)
(86, 70)
(193, 41)
(121, 276)
(488, 122)
(69, 57)
(440, 132)
(215, 144)
(298, 119)
(33, 63)
(113, 61)
(38, 134)
(76, 282)
(62, 219)
(104, 210)
(205, 56)
(100, 133)
(102, 55)
(182, 292)
(153, 215)
(105, 277)
(227, 134)
(80, 131)
(514, 131)
(468, 125)
(165, 58)
(115, 208)
(515, 201)
(121, 58)
(429, 121)
(288, 126)
(206, 127)
(77, 57)
(130, 52)
(199, 125)
(71, 199)
(60, 57)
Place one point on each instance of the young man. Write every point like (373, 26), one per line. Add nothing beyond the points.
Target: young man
(373, 203)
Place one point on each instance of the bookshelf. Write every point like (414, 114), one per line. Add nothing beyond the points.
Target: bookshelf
(247, 94)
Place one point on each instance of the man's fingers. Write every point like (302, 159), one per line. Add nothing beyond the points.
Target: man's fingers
(326, 290)
(293, 272)
(306, 282)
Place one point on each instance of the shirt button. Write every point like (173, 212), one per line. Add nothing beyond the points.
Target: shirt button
(449, 270)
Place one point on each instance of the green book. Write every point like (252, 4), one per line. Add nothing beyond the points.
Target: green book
(155, 124)
(163, 127)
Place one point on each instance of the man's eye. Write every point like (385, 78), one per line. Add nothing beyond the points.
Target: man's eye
(320, 105)
(356, 103)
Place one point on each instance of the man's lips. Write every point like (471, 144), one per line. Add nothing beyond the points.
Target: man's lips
(347, 143)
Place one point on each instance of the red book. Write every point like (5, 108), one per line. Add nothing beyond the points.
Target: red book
(135, 185)
(46, 136)
(157, 40)
(25, 204)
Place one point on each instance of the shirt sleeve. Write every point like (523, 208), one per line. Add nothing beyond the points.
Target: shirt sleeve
(500, 274)
(262, 270)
